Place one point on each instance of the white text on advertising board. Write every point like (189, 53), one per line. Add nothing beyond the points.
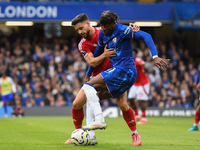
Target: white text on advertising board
(28, 12)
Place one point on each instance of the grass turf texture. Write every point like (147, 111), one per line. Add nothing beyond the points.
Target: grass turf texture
(50, 133)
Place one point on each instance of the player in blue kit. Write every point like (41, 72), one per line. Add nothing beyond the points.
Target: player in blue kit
(117, 80)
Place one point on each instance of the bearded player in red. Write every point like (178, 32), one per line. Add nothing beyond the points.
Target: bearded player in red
(87, 47)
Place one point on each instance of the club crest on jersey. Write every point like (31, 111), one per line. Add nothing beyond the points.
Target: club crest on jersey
(114, 40)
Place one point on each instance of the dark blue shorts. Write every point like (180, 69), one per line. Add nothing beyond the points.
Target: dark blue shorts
(119, 80)
(7, 97)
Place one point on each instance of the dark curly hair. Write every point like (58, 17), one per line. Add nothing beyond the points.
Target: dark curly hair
(108, 17)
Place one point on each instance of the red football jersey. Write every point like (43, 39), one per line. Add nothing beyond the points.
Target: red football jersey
(88, 45)
(141, 78)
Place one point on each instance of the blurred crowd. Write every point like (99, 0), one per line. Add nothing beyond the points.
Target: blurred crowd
(50, 71)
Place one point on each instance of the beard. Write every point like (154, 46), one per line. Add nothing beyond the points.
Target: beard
(86, 35)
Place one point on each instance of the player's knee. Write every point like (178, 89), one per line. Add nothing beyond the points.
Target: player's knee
(123, 106)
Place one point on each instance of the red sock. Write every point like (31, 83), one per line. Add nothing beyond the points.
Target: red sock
(197, 117)
(144, 113)
(129, 117)
(78, 116)
(136, 112)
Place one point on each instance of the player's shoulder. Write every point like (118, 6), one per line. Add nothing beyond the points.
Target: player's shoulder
(124, 29)
(82, 42)
(138, 59)
(9, 78)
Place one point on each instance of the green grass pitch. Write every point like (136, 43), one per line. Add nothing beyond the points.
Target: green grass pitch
(50, 133)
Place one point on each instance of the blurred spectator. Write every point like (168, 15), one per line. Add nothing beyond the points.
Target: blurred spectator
(17, 109)
(39, 101)
(50, 72)
(60, 101)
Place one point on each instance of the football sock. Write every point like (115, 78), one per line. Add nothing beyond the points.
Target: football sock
(136, 112)
(93, 101)
(133, 132)
(144, 113)
(5, 107)
(78, 116)
(89, 119)
(129, 117)
(197, 117)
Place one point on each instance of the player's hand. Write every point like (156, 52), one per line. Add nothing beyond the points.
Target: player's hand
(87, 78)
(198, 86)
(161, 62)
(135, 27)
(109, 52)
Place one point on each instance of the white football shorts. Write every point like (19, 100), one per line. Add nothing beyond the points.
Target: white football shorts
(139, 92)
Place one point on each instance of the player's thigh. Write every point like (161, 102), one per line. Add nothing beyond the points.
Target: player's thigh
(122, 101)
(104, 95)
(98, 83)
(80, 100)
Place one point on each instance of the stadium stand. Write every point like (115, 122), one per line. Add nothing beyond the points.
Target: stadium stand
(50, 71)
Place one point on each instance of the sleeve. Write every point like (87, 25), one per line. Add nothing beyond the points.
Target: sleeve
(98, 51)
(14, 90)
(89, 71)
(148, 40)
(128, 33)
(84, 50)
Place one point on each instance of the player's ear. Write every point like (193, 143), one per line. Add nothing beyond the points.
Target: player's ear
(88, 23)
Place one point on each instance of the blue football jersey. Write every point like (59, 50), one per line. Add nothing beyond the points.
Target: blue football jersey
(121, 41)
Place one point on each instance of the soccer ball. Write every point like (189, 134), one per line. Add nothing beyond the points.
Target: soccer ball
(79, 137)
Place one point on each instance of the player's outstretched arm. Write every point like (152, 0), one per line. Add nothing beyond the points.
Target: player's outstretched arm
(150, 44)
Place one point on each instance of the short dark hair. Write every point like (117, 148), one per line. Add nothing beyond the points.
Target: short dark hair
(79, 18)
(108, 17)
